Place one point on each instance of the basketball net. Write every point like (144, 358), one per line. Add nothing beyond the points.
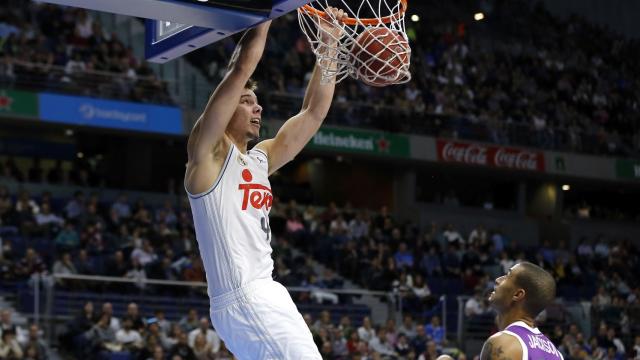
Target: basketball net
(341, 56)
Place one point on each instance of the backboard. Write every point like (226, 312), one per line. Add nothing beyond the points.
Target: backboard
(176, 27)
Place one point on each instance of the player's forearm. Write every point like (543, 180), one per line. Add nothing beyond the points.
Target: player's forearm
(249, 50)
(317, 100)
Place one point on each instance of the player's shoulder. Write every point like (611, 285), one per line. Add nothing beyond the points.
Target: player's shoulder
(261, 155)
(264, 146)
(501, 346)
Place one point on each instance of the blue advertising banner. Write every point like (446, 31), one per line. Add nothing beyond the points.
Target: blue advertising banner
(123, 115)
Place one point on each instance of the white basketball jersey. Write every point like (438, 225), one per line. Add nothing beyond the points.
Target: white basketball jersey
(231, 220)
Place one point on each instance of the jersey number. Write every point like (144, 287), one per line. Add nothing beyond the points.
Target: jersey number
(264, 222)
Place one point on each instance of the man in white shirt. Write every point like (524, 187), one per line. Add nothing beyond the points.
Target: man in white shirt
(475, 305)
(366, 332)
(129, 338)
(479, 235)
(145, 255)
(452, 235)
(46, 217)
(380, 344)
(209, 334)
(114, 322)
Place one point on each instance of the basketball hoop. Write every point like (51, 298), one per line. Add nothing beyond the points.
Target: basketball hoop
(373, 47)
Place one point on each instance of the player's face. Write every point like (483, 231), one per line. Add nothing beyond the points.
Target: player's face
(247, 118)
(500, 298)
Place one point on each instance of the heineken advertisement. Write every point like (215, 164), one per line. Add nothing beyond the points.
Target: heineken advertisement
(18, 103)
(364, 142)
(627, 169)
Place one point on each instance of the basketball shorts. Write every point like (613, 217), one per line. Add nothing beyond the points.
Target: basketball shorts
(260, 322)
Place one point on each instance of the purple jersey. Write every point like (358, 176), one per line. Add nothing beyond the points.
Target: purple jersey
(535, 346)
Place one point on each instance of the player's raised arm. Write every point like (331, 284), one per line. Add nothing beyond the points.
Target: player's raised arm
(211, 125)
(501, 347)
(298, 130)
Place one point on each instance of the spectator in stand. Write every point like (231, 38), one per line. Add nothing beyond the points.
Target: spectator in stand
(408, 327)
(78, 326)
(403, 257)
(121, 207)
(101, 339)
(48, 221)
(203, 350)
(76, 206)
(602, 298)
(64, 266)
(402, 347)
(431, 351)
(339, 344)
(419, 342)
(128, 337)
(145, 254)
(9, 347)
(451, 262)
(210, 336)
(84, 264)
(435, 331)
(366, 332)
(476, 305)
(190, 322)
(380, 344)
(114, 322)
(478, 236)
(68, 238)
(359, 226)
(137, 273)
(182, 349)
(31, 264)
(452, 236)
(133, 314)
(430, 263)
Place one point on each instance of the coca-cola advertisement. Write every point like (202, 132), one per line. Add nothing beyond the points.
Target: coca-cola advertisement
(490, 155)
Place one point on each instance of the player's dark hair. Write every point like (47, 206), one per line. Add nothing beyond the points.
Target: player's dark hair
(251, 85)
(539, 287)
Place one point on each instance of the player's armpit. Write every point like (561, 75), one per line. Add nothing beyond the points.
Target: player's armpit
(501, 347)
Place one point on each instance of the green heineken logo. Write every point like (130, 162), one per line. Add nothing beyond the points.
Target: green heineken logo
(383, 145)
(628, 169)
(5, 101)
(359, 141)
(16, 103)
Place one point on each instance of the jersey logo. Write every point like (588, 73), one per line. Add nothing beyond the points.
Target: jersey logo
(258, 195)
(241, 161)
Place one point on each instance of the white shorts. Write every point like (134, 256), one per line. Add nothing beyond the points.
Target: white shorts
(260, 322)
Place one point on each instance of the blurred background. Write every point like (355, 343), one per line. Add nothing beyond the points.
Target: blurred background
(517, 139)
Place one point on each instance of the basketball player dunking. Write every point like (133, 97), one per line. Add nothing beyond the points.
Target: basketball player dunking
(230, 200)
(519, 297)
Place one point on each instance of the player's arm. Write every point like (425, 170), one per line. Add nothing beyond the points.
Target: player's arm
(298, 130)
(206, 135)
(501, 347)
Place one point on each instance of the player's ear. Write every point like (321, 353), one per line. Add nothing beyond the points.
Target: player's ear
(519, 295)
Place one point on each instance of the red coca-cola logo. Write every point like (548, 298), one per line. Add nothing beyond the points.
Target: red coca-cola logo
(490, 155)
(465, 153)
(258, 195)
(518, 159)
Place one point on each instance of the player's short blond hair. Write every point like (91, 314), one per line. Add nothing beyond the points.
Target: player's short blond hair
(251, 85)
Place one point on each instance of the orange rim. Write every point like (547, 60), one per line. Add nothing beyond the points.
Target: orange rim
(367, 21)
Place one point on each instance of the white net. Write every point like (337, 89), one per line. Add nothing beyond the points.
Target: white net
(372, 45)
